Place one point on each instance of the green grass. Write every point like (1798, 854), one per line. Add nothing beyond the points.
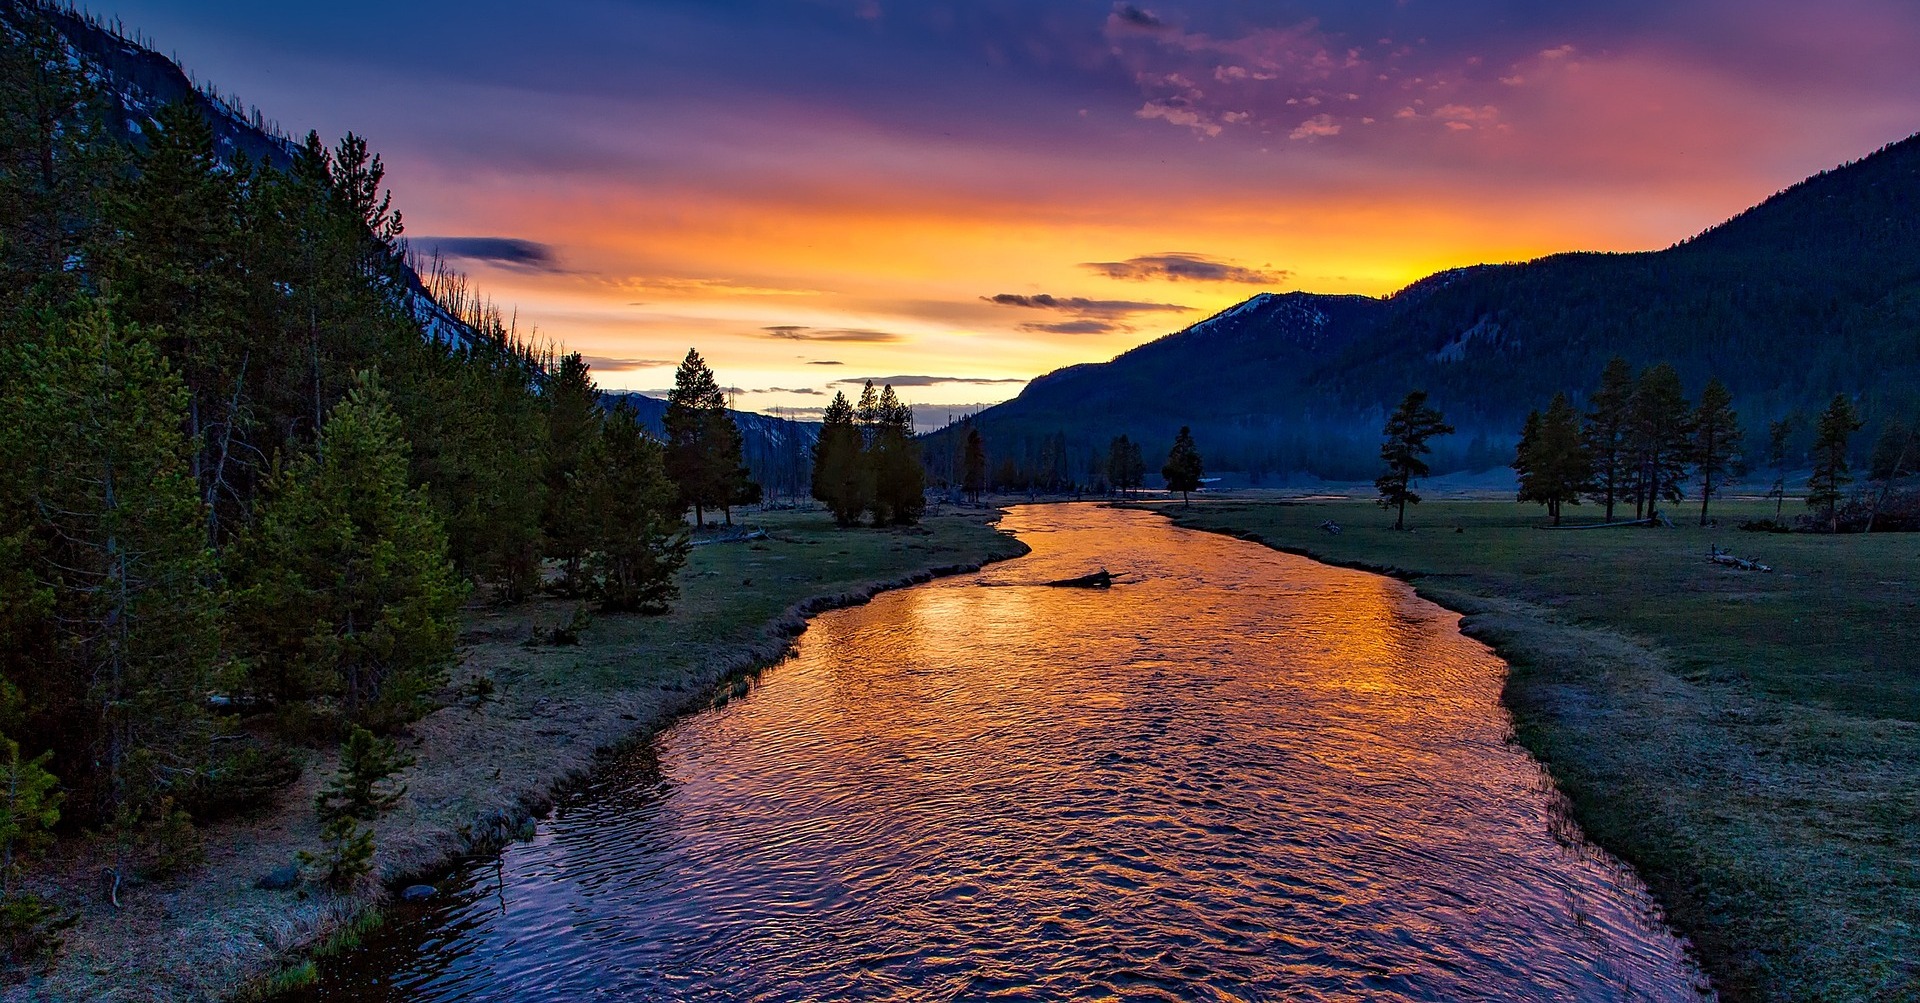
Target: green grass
(730, 592)
(1746, 740)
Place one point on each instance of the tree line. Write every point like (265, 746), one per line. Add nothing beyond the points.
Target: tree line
(867, 461)
(235, 478)
(1641, 440)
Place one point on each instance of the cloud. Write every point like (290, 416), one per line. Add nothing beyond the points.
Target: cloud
(610, 362)
(509, 251)
(1179, 116)
(1179, 266)
(697, 286)
(783, 390)
(794, 332)
(921, 381)
(1074, 327)
(1126, 16)
(826, 362)
(1080, 306)
(1315, 128)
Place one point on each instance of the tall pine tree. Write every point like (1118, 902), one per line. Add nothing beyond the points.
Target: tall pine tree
(1552, 460)
(1184, 465)
(1831, 472)
(1661, 438)
(1403, 443)
(636, 514)
(1716, 440)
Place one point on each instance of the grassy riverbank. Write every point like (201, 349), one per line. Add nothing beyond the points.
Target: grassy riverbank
(487, 764)
(1748, 741)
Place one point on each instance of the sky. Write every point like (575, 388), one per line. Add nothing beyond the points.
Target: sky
(957, 197)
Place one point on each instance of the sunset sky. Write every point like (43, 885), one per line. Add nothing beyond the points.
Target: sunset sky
(965, 195)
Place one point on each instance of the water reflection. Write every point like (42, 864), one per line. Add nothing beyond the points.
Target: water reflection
(1247, 776)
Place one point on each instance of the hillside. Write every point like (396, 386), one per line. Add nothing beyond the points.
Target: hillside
(1815, 291)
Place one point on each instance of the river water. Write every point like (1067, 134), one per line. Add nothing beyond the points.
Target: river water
(1240, 776)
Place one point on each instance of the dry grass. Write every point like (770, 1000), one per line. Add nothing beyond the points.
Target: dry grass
(1748, 742)
(486, 767)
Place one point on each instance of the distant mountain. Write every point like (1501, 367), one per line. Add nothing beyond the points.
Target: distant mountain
(1814, 292)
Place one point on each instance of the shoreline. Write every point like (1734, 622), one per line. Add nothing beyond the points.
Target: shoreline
(210, 934)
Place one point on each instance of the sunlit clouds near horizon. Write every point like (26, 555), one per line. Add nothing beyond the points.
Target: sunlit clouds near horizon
(963, 196)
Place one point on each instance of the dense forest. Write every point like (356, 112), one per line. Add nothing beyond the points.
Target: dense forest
(252, 463)
(1812, 293)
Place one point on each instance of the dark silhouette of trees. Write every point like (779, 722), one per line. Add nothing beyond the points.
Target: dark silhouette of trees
(973, 477)
(840, 478)
(1779, 432)
(1660, 436)
(1831, 473)
(703, 443)
(1716, 439)
(1184, 466)
(636, 515)
(1126, 468)
(1404, 441)
(1552, 460)
(1609, 416)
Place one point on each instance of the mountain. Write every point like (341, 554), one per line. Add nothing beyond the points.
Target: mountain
(1813, 292)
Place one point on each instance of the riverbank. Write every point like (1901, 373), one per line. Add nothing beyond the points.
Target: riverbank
(1747, 741)
(489, 762)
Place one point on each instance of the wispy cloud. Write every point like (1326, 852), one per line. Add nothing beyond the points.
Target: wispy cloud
(1184, 266)
(826, 362)
(1074, 327)
(512, 252)
(613, 362)
(1081, 306)
(794, 332)
(921, 381)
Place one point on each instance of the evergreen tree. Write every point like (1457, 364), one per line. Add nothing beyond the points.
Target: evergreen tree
(899, 479)
(344, 588)
(703, 443)
(361, 789)
(1404, 442)
(1831, 474)
(1606, 431)
(1119, 463)
(1552, 460)
(840, 476)
(1661, 438)
(637, 516)
(1183, 467)
(29, 807)
(120, 630)
(1716, 439)
(974, 466)
(573, 426)
(1778, 434)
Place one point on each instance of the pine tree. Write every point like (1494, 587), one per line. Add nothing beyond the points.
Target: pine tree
(362, 789)
(703, 443)
(1404, 442)
(1831, 473)
(1184, 466)
(1660, 436)
(899, 479)
(344, 588)
(1778, 434)
(29, 807)
(637, 516)
(841, 480)
(1119, 463)
(974, 466)
(573, 426)
(1608, 420)
(122, 627)
(1716, 439)
(1552, 460)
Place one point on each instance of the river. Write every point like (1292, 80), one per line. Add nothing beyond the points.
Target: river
(1238, 775)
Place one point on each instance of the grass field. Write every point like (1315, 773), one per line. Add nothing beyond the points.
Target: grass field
(1748, 741)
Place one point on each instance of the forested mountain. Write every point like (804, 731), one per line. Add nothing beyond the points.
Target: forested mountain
(778, 450)
(1814, 292)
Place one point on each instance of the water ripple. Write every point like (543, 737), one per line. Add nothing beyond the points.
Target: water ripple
(1245, 777)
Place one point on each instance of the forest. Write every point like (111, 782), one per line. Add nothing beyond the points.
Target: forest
(253, 464)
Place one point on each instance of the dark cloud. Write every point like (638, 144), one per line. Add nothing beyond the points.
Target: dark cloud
(1184, 266)
(610, 362)
(1133, 17)
(826, 362)
(1083, 307)
(921, 381)
(509, 251)
(794, 332)
(1074, 327)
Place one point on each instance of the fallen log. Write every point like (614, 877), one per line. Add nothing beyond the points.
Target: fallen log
(1721, 557)
(1098, 580)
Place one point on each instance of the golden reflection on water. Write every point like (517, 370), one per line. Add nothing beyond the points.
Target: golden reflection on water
(1243, 775)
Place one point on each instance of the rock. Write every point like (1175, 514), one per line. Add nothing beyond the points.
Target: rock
(417, 893)
(279, 879)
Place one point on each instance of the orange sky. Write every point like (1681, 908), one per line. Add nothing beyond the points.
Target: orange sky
(788, 185)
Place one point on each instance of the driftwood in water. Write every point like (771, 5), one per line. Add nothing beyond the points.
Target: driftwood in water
(1718, 556)
(1098, 580)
